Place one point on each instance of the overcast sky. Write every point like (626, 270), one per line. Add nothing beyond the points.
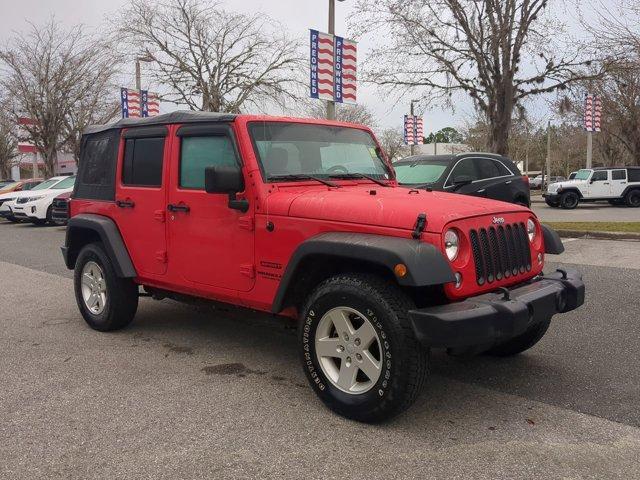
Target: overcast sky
(296, 15)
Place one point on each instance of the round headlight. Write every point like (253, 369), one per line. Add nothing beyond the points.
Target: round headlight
(451, 244)
(531, 229)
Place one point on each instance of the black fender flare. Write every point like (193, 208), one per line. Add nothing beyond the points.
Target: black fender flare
(628, 189)
(426, 265)
(571, 189)
(105, 229)
(552, 242)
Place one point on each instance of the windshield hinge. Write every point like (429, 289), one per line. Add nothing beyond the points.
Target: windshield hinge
(421, 223)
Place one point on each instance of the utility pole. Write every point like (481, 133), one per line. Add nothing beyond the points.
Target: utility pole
(589, 149)
(331, 105)
(141, 58)
(546, 181)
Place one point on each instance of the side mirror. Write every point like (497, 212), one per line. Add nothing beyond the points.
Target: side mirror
(229, 180)
(461, 181)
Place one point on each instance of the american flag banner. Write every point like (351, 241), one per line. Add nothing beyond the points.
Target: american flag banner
(322, 65)
(345, 70)
(413, 130)
(130, 103)
(150, 104)
(592, 113)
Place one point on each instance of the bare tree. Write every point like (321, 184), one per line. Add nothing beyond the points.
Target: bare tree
(51, 74)
(392, 142)
(212, 59)
(8, 140)
(358, 113)
(499, 52)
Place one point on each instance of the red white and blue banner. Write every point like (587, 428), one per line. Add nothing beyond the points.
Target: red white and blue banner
(138, 103)
(333, 68)
(413, 130)
(592, 113)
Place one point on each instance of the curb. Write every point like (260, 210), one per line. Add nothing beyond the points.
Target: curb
(599, 235)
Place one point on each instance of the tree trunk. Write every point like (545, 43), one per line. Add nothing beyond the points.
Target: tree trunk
(49, 156)
(500, 119)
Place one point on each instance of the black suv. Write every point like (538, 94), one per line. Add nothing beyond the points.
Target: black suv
(479, 174)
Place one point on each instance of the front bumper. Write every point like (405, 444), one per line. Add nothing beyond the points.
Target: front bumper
(551, 196)
(495, 317)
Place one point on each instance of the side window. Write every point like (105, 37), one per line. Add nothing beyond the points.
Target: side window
(488, 168)
(600, 176)
(634, 174)
(619, 175)
(197, 153)
(466, 167)
(96, 162)
(142, 164)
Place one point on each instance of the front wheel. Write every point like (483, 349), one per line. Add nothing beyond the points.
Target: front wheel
(551, 203)
(106, 301)
(522, 342)
(569, 200)
(359, 351)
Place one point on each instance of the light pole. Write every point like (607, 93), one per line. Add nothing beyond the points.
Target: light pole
(141, 58)
(331, 105)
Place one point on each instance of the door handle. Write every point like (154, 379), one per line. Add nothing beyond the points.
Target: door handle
(606, 183)
(178, 208)
(128, 203)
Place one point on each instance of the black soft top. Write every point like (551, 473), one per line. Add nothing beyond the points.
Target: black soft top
(181, 116)
(622, 167)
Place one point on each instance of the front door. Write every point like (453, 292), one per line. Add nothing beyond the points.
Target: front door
(210, 244)
(140, 198)
(600, 186)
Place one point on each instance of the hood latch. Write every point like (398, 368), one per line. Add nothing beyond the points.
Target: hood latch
(421, 223)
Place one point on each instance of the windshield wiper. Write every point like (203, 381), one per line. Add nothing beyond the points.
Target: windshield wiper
(359, 175)
(297, 176)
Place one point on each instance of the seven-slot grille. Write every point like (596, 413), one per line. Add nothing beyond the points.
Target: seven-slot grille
(500, 252)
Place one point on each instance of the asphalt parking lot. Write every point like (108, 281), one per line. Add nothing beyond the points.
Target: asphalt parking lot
(585, 212)
(188, 392)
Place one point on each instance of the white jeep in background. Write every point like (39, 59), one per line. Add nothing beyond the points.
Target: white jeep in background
(618, 185)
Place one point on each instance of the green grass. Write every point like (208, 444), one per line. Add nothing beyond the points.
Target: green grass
(633, 227)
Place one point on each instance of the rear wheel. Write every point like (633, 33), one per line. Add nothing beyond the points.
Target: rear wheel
(359, 351)
(522, 342)
(569, 200)
(633, 198)
(106, 301)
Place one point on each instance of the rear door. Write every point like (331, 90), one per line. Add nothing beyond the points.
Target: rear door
(210, 244)
(140, 197)
(618, 182)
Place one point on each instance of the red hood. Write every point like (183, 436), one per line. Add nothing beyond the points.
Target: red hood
(389, 207)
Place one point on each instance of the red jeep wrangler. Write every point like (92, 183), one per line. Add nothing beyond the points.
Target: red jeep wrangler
(304, 218)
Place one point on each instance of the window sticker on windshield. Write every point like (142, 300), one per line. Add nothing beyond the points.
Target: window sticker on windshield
(372, 152)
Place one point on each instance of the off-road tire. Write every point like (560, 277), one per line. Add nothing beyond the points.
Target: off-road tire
(522, 342)
(49, 219)
(552, 204)
(403, 361)
(632, 198)
(122, 294)
(569, 200)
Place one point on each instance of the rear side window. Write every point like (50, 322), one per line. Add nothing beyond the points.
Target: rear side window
(634, 175)
(97, 166)
(489, 168)
(619, 175)
(142, 165)
(197, 153)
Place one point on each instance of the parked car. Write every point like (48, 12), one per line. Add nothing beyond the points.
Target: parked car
(618, 185)
(35, 205)
(303, 218)
(477, 174)
(19, 186)
(60, 209)
(536, 183)
(7, 199)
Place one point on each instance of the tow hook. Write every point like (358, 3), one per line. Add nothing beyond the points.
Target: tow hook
(421, 223)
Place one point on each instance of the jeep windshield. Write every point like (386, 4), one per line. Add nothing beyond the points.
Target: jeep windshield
(295, 151)
(582, 174)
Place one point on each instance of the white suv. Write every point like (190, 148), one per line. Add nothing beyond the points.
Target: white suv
(618, 185)
(35, 204)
